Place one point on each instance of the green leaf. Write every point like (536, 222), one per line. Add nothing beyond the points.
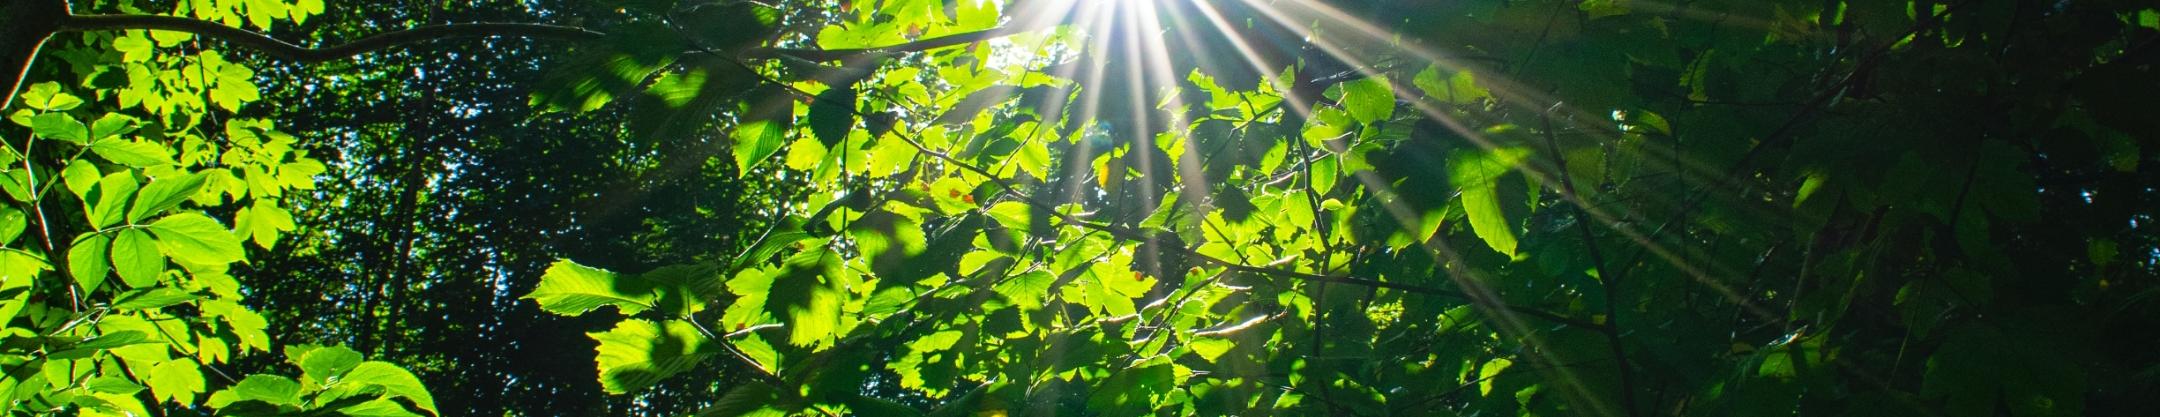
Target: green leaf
(269, 388)
(965, 110)
(109, 205)
(380, 407)
(683, 103)
(1604, 8)
(107, 341)
(134, 48)
(17, 184)
(17, 270)
(80, 176)
(163, 194)
(808, 295)
(60, 126)
(1027, 290)
(48, 97)
(193, 238)
(873, 406)
(244, 324)
(1369, 100)
(263, 222)
(891, 156)
(324, 363)
(300, 175)
(805, 154)
(12, 222)
(832, 115)
(639, 353)
(131, 153)
(1326, 172)
(176, 381)
(152, 298)
(756, 141)
(1034, 158)
(135, 256)
(747, 23)
(1477, 173)
(394, 382)
(629, 56)
(89, 262)
(1211, 348)
(781, 238)
(113, 385)
(112, 125)
(1459, 88)
(743, 400)
(570, 289)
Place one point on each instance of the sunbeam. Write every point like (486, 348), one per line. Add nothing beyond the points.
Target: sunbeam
(1130, 84)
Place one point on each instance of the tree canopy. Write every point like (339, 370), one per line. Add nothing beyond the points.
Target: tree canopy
(1071, 207)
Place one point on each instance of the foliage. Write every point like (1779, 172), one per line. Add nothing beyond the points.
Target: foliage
(122, 177)
(1341, 207)
(449, 196)
(1534, 208)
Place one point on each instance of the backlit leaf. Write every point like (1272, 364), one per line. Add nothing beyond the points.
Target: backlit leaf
(639, 353)
(1477, 174)
(194, 238)
(571, 289)
(136, 257)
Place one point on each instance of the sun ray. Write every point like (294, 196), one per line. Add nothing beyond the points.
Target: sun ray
(1505, 88)
(1130, 37)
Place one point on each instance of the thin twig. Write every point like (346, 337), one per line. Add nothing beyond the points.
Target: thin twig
(1610, 279)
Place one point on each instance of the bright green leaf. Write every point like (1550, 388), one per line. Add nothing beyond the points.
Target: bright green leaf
(193, 238)
(163, 194)
(135, 256)
(109, 205)
(1211, 348)
(1477, 174)
(324, 363)
(395, 382)
(176, 381)
(570, 289)
(131, 153)
(151, 298)
(89, 261)
(60, 126)
(639, 353)
(1369, 100)
(756, 141)
(48, 97)
(269, 388)
(112, 125)
(12, 222)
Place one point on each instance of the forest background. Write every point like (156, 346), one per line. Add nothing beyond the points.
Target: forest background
(1127, 207)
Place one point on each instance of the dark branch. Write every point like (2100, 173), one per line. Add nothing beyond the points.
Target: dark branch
(30, 23)
(826, 55)
(286, 50)
(1610, 278)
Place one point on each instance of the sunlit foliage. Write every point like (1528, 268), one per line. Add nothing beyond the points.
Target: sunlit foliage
(1211, 207)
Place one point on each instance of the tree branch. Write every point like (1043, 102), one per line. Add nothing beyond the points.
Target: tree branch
(826, 55)
(289, 51)
(29, 23)
(1610, 279)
